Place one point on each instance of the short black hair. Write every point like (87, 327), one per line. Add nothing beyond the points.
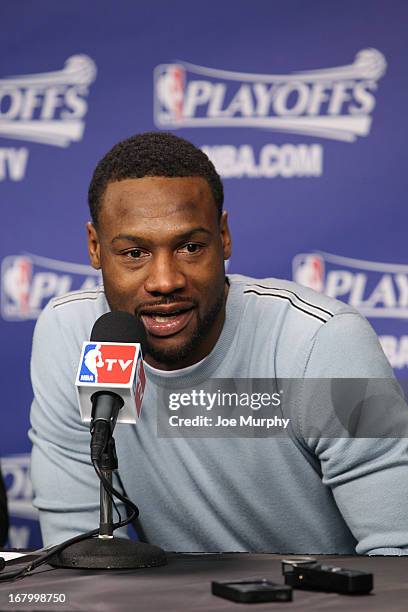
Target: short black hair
(152, 154)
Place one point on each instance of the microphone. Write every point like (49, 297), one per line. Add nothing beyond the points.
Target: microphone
(111, 379)
(110, 385)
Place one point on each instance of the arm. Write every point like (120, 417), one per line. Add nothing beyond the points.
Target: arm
(368, 475)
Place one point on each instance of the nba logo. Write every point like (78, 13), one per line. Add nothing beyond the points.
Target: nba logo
(107, 363)
(28, 282)
(111, 366)
(308, 270)
(17, 273)
(169, 88)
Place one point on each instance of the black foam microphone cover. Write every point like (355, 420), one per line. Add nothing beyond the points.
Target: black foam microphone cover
(118, 326)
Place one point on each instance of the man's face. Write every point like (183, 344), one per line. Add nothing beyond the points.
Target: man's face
(161, 249)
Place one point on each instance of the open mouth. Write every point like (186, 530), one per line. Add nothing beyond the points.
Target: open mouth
(161, 323)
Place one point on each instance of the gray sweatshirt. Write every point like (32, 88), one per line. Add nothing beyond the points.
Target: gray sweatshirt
(293, 493)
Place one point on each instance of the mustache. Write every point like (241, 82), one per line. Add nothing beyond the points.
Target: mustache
(165, 301)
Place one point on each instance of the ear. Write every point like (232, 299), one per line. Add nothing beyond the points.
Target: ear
(94, 250)
(225, 235)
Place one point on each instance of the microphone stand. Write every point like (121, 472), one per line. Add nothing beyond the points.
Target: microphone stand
(109, 463)
(104, 551)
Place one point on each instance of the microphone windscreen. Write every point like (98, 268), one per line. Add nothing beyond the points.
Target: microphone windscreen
(118, 327)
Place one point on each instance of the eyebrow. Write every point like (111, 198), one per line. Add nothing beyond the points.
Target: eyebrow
(184, 236)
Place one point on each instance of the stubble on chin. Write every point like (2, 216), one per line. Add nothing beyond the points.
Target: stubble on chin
(173, 356)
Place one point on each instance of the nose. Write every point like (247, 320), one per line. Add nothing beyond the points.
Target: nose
(164, 276)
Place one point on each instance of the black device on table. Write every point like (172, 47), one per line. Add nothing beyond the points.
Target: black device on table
(311, 575)
(252, 591)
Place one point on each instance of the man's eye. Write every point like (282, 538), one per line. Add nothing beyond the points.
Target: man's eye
(191, 247)
(135, 254)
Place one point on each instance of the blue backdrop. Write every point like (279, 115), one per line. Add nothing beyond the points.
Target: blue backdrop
(301, 105)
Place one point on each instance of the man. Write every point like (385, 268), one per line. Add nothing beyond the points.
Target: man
(160, 237)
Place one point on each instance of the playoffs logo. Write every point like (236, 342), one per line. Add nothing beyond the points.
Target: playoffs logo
(28, 282)
(16, 472)
(334, 103)
(377, 290)
(24, 531)
(47, 108)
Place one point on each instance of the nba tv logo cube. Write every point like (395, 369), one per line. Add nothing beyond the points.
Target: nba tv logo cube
(111, 366)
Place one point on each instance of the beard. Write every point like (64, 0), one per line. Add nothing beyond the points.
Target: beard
(172, 356)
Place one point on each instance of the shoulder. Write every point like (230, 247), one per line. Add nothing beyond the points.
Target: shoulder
(70, 317)
(82, 296)
(306, 329)
(275, 294)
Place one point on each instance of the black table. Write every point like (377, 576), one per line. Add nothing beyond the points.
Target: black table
(185, 585)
